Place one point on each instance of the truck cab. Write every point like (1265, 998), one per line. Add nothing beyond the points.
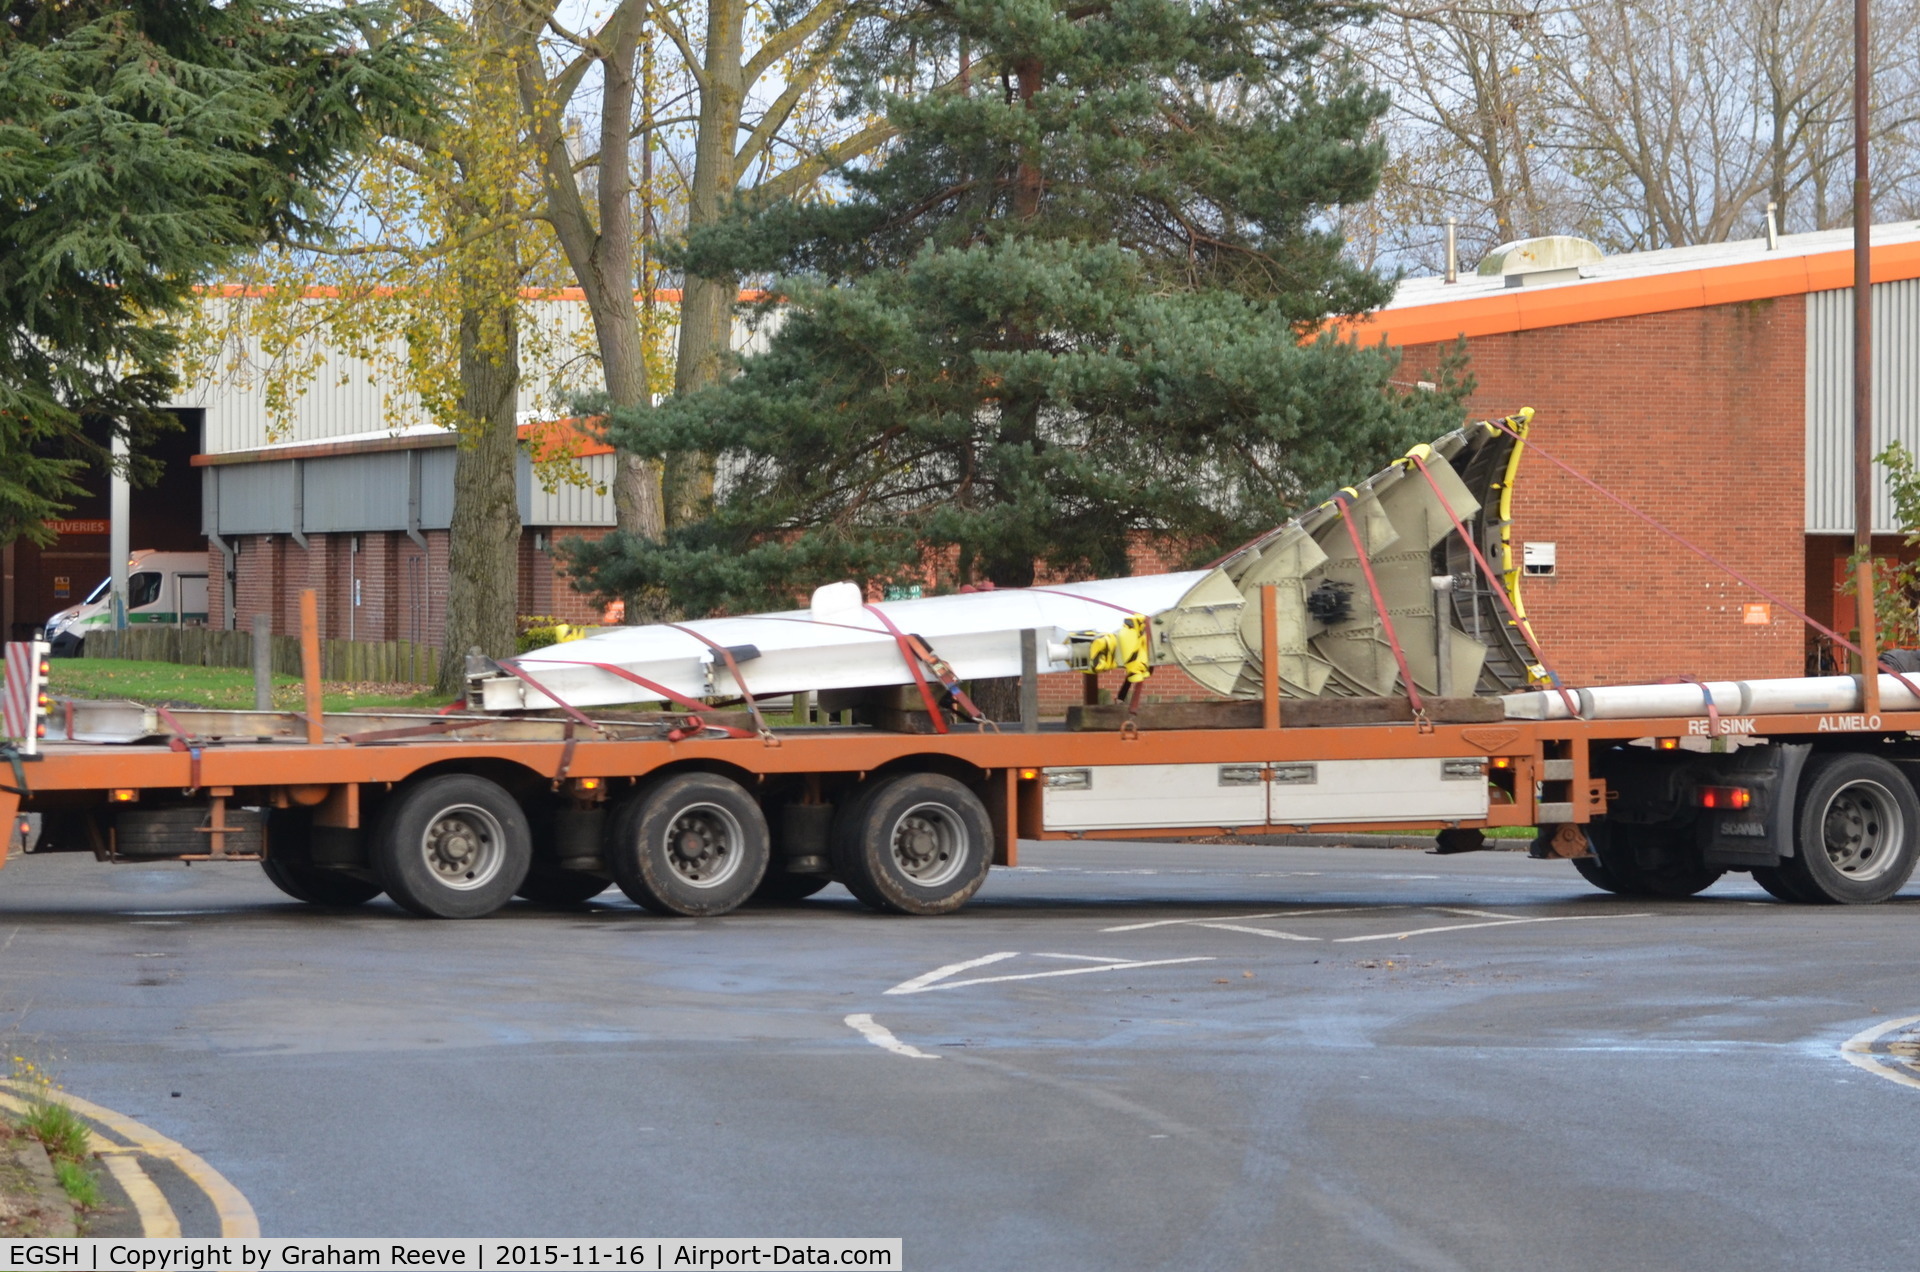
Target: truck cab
(168, 588)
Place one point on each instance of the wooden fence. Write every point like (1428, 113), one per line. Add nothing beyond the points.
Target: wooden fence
(384, 661)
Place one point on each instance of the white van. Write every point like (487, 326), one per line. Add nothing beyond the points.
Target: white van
(162, 587)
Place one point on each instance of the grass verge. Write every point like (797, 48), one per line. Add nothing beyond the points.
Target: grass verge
(219, 687)
(68, 1144)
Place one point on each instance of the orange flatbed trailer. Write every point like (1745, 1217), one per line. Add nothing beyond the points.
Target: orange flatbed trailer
(911, 821)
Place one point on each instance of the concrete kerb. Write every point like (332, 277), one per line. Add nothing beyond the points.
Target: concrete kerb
(48, 1212)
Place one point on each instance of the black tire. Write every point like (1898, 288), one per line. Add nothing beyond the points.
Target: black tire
(289, 866)
(1855, 830)
(1598, 875)
(1778, 884)
(452, 847)
(548, 884)
(780, 888)
(694, 845)
(1675, 880)
(915, 843)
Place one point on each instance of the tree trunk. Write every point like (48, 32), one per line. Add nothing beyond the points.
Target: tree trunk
(706, 304)
(483, 555)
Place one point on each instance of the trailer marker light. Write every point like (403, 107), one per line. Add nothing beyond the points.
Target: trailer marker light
(1724, 797)
(1027, 775)
(1502, 761)
(123, 795)
(1667, 744)
(587, 783)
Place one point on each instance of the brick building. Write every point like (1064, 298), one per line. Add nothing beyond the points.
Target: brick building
(1710, 387)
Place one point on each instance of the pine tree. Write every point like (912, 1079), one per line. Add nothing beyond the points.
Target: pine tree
(144, 144)
(1075, 302)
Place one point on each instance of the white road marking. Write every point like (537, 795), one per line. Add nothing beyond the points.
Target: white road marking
(920, 985)
(881, 1036)
(1856, 1050)
(156, 1216)
(927, 978)
(1082, 958)
(1231, 918)
(1462, 927)
(1278, 936)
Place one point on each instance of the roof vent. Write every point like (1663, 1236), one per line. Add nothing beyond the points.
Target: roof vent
(1551, 258)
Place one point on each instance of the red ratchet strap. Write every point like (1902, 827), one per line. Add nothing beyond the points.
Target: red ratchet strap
(1713, 712)
(913, 665)
(507, 666)
(184, 742)
(1379, 604)
(1506, 602)
(1075, 596)
(1701, 552)
(677, 699)
(733, 669)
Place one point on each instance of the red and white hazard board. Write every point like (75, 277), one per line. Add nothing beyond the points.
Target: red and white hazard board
(26, 692)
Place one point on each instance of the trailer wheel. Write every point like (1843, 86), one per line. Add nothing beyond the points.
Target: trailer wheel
(453, 847)
(916, 843)
(548, 884)
(694, 845)
(1855, 830)
(289, 866)
(1679, 876)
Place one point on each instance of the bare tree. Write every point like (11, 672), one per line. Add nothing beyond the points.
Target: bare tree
(1640, 123)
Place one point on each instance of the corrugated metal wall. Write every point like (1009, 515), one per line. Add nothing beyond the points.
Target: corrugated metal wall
(347, 395)
(436, 488)
(371, 492)
(1896, 398)
(569, 504)
(249, 499)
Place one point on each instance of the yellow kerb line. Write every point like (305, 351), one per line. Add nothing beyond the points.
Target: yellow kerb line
(236, 1213)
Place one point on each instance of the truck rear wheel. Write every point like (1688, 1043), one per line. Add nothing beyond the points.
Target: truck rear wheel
(915, 843)
(1676, 872)
(1777, 884)
(694, 845)
(289, 866)
(1855, 830)
(453, 847)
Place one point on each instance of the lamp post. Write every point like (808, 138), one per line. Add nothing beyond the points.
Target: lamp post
(1863, 363)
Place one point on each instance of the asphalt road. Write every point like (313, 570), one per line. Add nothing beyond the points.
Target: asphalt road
(1121, 1057)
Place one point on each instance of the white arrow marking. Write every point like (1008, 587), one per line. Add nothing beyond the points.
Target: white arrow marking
(881, 1036)
(925, 979)
(1462, 927)
(1229, 918)
(1253, 931)
(931, 981)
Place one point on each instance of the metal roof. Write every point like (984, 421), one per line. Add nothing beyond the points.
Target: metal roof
(1424, 310)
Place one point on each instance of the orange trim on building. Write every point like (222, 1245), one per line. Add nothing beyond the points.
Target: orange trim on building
(1564, 304)
(571, 438)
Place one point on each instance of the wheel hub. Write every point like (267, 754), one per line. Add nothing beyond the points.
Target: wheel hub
(929, 844)
(700, 845)
(463, 847)
(1862, 830)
